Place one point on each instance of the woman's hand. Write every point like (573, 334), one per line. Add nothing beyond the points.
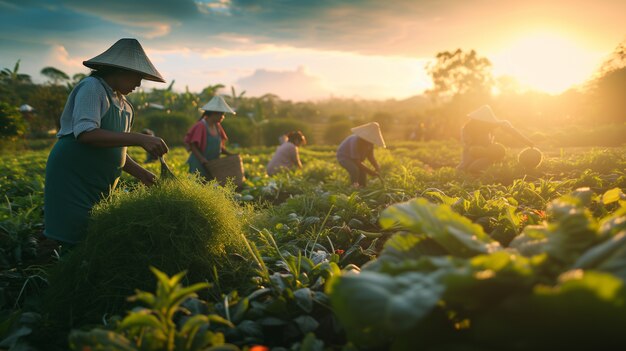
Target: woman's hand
(147, 178)
(153, 145)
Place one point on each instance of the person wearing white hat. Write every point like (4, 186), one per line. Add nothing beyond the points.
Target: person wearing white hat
(479, 149)
(88, 158)
(207, 139)
(359, 146)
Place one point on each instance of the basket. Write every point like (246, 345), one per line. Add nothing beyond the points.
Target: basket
(229, 167)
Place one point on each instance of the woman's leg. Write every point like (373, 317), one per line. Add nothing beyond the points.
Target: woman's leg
(479, 165)
(353, 170)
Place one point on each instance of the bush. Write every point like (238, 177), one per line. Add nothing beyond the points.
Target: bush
(12, 125)
(277, 127)
(175, 226)
(337, 131)
(171, 127)
(240, 131)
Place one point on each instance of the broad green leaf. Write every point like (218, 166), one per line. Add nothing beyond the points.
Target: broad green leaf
(136, 320)
(304, 299)
(612, 195)
(609, 256)
(311, 343)
(194, 322)
(457, 234)
(219, 319)
(306, 323)
(374, 307)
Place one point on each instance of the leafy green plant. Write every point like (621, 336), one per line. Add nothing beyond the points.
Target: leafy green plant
(176, 225)
(154, 327)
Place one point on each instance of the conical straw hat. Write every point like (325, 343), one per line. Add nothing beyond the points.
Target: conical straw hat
(218, 104)
(370, 132)
(126, 53)
(485, 114)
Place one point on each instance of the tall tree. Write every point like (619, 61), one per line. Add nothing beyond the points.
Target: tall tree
(459, 73)
(54, 75)
(608, 87)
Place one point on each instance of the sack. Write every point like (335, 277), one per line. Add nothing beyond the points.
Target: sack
(229, 167)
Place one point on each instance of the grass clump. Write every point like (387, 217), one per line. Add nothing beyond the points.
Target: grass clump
(175, 226)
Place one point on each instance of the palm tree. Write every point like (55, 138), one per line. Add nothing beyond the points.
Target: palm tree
(13, 77)
(210, 91)
(236, 99)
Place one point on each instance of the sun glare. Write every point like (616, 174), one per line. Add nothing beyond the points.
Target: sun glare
(546, 62)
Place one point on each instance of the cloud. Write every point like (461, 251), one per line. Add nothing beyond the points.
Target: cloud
(292, 85)
(64, 61)
(401, 27)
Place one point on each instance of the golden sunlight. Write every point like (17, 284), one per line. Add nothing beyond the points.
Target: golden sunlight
(546, 61)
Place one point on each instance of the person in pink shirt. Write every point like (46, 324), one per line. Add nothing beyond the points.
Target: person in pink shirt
(207, 139)
(287, 155)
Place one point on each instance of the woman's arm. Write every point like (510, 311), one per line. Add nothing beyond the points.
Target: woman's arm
(105, 138)
(198, 155)
(297, 158)
(519, 136)
(133, 168)
(373, 161)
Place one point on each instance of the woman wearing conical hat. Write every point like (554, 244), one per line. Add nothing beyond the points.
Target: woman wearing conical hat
(207, 139)
(358, 147)
(479, 149)
(90, 154)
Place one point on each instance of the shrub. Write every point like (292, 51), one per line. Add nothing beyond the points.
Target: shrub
(337, 131)
(175, 226)
(240, 131)
(12, 125)
(277, 127)
(171, 127)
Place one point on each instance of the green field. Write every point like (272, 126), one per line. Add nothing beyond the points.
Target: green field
(424, 258)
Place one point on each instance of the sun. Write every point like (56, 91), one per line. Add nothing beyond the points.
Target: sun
(546, 61)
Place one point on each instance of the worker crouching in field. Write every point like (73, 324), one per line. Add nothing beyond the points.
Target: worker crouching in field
(88, 158)
(356, 148)
(207, 139)
(479, 149)
(287, 155)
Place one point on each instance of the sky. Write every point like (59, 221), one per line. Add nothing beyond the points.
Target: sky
(315, 49)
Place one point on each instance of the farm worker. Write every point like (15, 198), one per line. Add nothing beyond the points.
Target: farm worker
(207, 139)
(88, 158)
(356, 148)
(479, 149)
(287, 155)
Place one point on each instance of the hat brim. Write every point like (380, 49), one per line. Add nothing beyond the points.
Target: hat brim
(146, 76)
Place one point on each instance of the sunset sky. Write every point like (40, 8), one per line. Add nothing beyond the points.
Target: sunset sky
(309, 50)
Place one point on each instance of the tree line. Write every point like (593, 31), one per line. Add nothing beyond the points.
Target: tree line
(462, 81)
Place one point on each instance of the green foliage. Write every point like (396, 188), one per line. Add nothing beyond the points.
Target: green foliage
(459, 73)
(171, 127)
(459, 236)
(556, 279)
(337, 131)
(48, 101)
(154, 326)
(179, 224)
(240, 131)
(526, 299)
(277, 127)
(12, 125)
